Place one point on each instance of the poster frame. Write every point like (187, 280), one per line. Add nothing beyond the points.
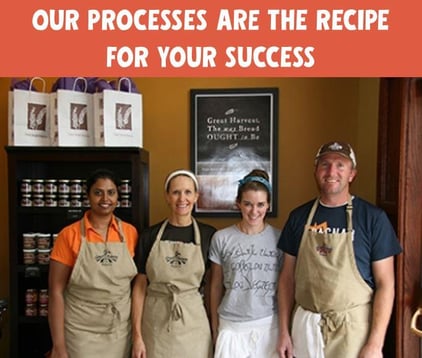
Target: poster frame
(211, 112)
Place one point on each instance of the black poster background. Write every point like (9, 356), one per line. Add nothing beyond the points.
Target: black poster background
(233, 132)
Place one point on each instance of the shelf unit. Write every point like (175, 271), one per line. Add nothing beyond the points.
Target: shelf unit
(30, 336)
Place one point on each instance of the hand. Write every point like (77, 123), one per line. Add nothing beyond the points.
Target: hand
(285, 346)
(57, 352)
(371, 351)
(138, 348)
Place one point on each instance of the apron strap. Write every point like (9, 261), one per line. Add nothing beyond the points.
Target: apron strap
(176, 310)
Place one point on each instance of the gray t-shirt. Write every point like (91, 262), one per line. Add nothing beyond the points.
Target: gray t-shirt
(251, 264)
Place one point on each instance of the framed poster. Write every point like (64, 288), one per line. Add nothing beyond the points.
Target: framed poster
(233, 131)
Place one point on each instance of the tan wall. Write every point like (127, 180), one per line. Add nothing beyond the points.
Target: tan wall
(311, 111)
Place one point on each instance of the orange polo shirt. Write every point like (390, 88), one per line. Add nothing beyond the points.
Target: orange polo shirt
(67, 245)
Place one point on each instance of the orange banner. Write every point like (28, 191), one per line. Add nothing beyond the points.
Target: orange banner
(231, 38)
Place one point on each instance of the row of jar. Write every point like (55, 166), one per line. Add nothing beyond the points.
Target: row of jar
(53, 186)
(36, 256)
(64, 186)
(66, 200)
(38, 240)
(33, 295)
(34, 310)
(54, 200)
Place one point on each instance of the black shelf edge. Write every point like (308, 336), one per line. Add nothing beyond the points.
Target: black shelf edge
(38, 149)
(32, 320)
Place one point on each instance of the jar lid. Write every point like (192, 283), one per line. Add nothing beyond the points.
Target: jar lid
(41, 234)
(30, 250)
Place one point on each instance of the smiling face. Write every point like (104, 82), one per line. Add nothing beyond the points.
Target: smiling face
(254, 206)
(103, 196)
(181, 196)
(333, 174)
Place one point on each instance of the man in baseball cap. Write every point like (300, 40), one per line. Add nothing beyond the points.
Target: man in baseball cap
(337, 280)
(342, 148)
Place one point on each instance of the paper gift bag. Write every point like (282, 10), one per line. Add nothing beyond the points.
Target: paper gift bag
(118, 116)
(72, 113)
(28, 114)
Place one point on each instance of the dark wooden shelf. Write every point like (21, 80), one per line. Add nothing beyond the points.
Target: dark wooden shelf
(30, 336)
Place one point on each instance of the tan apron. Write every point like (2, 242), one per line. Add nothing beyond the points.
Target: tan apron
(174, 322)
(328, 282)
(97, 300)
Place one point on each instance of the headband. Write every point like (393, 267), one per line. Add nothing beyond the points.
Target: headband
(181, 172)
(261, 180)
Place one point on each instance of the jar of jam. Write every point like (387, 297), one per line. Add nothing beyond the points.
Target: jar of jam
(85, 202)
(44, 257)
(125, 187)
(26, 200)
(29, 256)
(64, 186)
(43, 296)
(38, 186)
(50, 200)
(125, 201)
(43, 310)
(31, 310)
(38, 200)
(29, 240)
(43, 241)
(76, 200)
(26, 186)
(31, 295)
(50, 186)
(54, 238)
(64, 200)
(76, 186)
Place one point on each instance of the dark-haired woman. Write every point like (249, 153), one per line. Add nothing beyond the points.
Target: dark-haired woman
(90, 277)
(244, 271)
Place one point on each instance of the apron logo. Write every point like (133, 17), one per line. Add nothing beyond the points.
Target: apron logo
(106, 258)
(177, 260)
(319, 227)
(324, 250)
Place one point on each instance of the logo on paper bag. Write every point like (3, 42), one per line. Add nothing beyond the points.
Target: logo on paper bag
(37, 116)
(79, 116)
(123, 116)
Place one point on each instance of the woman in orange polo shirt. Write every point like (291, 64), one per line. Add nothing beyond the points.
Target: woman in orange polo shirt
(91, 270)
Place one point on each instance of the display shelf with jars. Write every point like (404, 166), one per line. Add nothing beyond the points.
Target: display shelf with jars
(46, 192)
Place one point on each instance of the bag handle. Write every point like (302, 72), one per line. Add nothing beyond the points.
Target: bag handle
(128, 81)
(37, 78)
(80, 79)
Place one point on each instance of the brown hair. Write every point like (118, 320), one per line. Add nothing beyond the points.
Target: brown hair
(257, 179)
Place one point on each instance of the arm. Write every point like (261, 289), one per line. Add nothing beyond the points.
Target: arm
(138, 300)
(285, 297)
(216, 295)
(57, 281)
(207, 291)
(382, 307)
